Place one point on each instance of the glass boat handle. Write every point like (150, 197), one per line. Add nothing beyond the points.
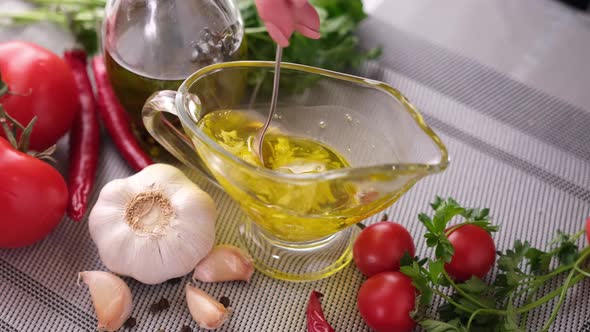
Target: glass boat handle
(163, 131)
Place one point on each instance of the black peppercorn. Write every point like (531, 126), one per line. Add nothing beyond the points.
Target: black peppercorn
(225, 301)
(130, 323)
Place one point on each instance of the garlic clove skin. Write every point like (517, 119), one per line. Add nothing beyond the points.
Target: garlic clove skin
(153, 226)
(225, 263)
(111, 298)
(206, 311)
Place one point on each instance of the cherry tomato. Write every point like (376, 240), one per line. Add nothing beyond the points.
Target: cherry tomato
(33, 198)
(475, 253)
(41, 85)
(381, 246)
(588, 229)
(385, 301)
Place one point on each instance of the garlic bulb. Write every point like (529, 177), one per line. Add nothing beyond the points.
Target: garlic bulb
(153, 226)
(225, 263)
(111, 298)
(206, 311)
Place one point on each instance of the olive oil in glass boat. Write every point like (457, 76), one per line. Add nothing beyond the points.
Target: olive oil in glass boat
(339, 151)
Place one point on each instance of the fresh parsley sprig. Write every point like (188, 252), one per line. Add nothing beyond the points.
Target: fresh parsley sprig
(437, 226)
(503, 304)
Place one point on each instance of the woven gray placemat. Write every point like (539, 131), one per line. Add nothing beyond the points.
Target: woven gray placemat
(521, 152)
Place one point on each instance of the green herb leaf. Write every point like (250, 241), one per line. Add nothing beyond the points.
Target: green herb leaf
(477, 214)
(435, 269)
(567, 250)
(474, 286)
(568, 253)
(437, 202)
(486, 225)
(444, 249)
(406, 260)
(420, 280)
(539, 261)
(511, 320)
(444, 213)
(511, 259)
(424, 219)
(505, 284)
(432, 239)
(421, 262)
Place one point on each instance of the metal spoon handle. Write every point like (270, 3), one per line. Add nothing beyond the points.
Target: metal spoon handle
(273, 102)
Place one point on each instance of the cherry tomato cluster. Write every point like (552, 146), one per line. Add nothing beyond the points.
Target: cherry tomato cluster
(387, 298)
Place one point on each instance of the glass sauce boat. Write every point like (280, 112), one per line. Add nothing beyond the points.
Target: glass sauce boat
(297, 226)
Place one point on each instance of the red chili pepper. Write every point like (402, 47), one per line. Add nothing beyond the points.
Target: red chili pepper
(84, 139)
(316, 322)
(116, 120)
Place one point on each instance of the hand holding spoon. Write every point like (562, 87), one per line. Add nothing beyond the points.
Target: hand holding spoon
(282, 18)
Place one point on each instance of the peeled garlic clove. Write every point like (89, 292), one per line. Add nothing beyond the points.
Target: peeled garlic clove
(206, 311)
(225, 263)
(111, 298)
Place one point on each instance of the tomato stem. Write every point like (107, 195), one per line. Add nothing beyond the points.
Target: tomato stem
(7, 130)
(11, 127)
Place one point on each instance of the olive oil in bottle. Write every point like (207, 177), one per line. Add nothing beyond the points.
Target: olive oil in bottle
(155, 45)
(133, 90)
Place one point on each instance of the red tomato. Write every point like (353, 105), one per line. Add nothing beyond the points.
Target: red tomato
(385, 301)
(33, 198)
(380, 247)
(588, 229)
(475, 253)
(42, 85)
